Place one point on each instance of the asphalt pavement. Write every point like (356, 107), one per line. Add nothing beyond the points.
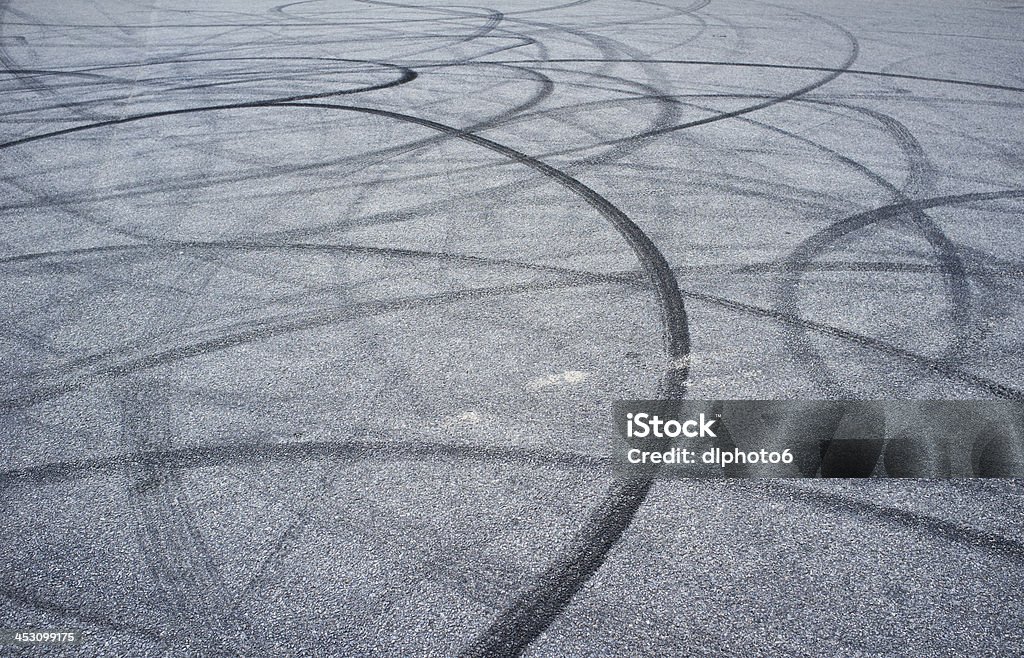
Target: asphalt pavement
(312, 316)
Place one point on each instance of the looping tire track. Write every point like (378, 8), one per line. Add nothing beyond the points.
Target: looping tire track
(534, 609)
(950, 263)
(538, 606)
(170, 541)
(106, 364)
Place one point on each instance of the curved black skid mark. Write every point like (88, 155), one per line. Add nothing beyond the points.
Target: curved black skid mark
(533, 610)
(104, 365)
(763, 65)
(256, 451)
(170, 540)
(950, 531)
(950, 263)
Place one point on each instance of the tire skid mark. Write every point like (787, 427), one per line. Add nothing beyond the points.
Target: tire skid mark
(949, 531)
(951, 264)
(652, 262)
(546, 88)
(534, 609)
(761, 65)
(494, 18)
(944, 250)
(248, 331)
(418, 557)
(257, 451)
(575, 278)
(832, 74)
(303, 321)
(544, 91)
(552, 111)
(408, 75)
(608, 48)
(170, 540)
(300, 322)
(578, 570)
(175, 247)
(77, 614)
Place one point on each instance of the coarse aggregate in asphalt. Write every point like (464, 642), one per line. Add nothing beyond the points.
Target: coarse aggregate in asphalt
(312, 316)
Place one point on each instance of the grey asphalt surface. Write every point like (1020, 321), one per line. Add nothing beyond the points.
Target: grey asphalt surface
(313, 315)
